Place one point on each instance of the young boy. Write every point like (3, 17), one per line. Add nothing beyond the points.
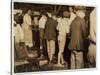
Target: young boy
(63, 28)
(50, 35)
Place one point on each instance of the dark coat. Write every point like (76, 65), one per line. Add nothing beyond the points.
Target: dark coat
(50, 29)
(78, 34)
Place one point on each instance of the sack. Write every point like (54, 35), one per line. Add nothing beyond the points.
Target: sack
(21, 50)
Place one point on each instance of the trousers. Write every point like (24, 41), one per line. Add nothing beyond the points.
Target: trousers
(77, 59)
(51, 49)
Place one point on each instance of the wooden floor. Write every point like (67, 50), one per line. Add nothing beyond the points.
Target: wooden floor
(31, 67)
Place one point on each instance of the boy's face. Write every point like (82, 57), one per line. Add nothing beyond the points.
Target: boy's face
(80, 13)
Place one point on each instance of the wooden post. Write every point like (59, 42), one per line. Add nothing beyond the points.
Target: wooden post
(58, 9)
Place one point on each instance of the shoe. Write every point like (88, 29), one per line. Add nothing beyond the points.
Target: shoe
(59, 65)
(41, 57)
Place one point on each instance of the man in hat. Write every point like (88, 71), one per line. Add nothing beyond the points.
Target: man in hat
(78, 34)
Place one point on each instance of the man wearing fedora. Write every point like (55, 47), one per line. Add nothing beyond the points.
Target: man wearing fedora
(78, 34)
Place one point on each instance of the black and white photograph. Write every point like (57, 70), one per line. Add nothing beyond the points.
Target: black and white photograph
(52, 37)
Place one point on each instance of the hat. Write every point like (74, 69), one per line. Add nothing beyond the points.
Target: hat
(80, 8)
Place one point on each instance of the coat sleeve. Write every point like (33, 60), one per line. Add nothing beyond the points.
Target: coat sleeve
(57, 27)
(84, 28)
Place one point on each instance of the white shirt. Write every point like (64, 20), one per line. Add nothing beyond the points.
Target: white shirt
(42, 22)
(63, 26)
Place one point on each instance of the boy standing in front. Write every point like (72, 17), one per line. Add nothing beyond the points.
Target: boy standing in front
(50, 35)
